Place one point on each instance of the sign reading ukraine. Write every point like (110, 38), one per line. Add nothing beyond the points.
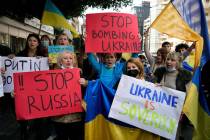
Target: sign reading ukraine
(145, 105)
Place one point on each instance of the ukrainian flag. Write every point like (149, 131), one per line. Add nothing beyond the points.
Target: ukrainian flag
(189, 62)
(196, 105)
(98, 126)
(171, 23)
(185, 19)
(52, 16)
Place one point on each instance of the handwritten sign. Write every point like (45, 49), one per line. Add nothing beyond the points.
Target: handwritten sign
(53, 51)
(112, 32)
(1, 83)
(20, 64)
(144, 105)
(47, 93)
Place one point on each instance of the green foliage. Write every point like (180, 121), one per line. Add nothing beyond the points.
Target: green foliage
(19, 9)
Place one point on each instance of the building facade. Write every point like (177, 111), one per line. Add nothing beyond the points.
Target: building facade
(13, 33)
(156, 38)
(142, 12)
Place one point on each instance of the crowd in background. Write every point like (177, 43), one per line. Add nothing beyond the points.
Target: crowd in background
(165, 68)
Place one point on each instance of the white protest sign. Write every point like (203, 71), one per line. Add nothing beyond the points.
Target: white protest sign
(147, 106)
(1, 83)
(21, 64)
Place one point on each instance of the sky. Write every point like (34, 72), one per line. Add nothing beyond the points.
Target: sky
(127, 9)
(122, 9)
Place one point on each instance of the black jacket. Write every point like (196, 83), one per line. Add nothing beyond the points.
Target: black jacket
(182, 79)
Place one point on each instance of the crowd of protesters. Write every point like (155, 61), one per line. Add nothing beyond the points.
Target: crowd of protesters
(165, 68)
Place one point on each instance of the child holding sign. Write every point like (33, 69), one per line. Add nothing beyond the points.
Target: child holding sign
(68, 126)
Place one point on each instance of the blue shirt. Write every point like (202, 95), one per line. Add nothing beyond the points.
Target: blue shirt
(109, 76)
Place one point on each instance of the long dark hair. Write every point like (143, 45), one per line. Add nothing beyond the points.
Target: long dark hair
(39, 51)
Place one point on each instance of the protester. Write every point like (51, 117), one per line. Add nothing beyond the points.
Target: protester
(61, 39)
(68, 126)
(109, 72)
(147, 71)
(45, 42)
(157, 62)
(135, 68)
(6, 101)
(9, 128)
(167, 45)
(184, 49)
(173, 76)
(33, 129)
(32, 48)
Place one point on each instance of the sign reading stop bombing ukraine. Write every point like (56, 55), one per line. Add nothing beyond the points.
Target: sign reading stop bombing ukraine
(156, 109)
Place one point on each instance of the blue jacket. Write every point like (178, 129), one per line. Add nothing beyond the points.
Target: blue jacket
(109, 76)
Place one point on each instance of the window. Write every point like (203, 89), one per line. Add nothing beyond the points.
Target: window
(4, 39)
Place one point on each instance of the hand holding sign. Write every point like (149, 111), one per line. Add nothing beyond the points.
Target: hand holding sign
(20, 64)
(144, 105)
(54, 92)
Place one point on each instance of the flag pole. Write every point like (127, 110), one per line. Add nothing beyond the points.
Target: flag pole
(40, 28)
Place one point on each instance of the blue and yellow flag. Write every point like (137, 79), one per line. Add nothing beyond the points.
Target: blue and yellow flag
(171, 23)
(196, 105)
(52, 16)
(98, 126)
(189, 62)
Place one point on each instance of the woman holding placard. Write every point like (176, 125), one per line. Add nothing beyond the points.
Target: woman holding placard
(173, 76)
(68, 126)
(135, 68)
(30, 129)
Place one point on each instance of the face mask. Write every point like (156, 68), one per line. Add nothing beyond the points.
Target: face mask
(171, 69)
(133, 72)
(45, 43)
